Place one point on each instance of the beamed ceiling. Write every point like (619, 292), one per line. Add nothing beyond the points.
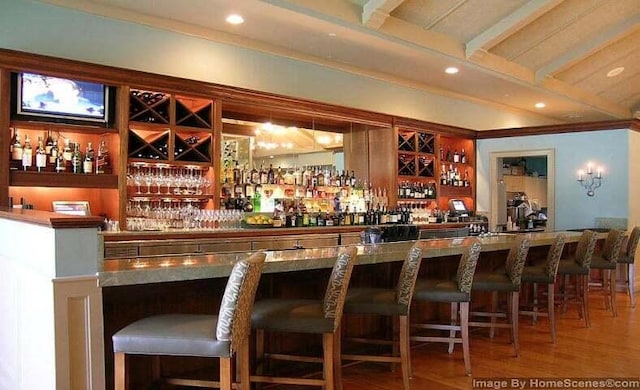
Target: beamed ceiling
(511, 53)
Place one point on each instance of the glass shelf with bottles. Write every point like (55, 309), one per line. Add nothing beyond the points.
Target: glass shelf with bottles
(416, 191)
(453, 176)
(160, 182)
(58, 159)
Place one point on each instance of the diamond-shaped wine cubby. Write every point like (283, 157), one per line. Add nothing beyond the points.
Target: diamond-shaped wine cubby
(192, 147)
(148, 145)
(194, 112)
(149, 106)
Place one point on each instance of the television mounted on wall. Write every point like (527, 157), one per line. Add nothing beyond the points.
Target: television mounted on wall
(57, 99)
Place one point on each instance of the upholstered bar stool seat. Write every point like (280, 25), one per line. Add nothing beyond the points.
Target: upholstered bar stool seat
(545, 273)
(457, 292)
(388, 302)
(220, 336)
(627, 259)
(607, 261)
(307, 316)
(507, 280)
(578, 267)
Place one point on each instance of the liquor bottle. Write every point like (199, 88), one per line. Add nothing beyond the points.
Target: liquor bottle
(53, 153)
(67, 152)
(27, 153)
(297, 177)
(87, 164)
(463, 157)
(76, 159)
(41, 155)
(48, 144)
(15, 146)
(257, 199)
(102, 158)
(263, 175)
(271, 175)
(255, 175)
(279, 179)
(61, 163)
(320, 178)
(288, 177)
(443, 176)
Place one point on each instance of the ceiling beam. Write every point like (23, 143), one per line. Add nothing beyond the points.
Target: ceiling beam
(509, 25)
(375, 12)
(589, 46)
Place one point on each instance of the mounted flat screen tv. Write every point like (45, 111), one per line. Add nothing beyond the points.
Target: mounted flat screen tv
(56, 99)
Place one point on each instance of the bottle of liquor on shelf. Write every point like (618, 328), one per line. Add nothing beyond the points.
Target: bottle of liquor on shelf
(263, 175)
(288, 177)
(48, 143)
(61, 163)
(53, 153)
(466, 179)
(271, 175)
(41, 155)
(463, 157)
(279, 178)
(456, 156)
(27, 154)
(16, 147)
(87, 164)
(102, 158)
(67, 151)
(76, 159)
(443, 176)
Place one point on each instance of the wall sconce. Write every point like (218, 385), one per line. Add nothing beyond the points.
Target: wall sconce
(589, 180)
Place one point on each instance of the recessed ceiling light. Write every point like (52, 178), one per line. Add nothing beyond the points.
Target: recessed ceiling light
(615, 71)
(540, 105)
(332, 34)
(235, 19)
(451, 70)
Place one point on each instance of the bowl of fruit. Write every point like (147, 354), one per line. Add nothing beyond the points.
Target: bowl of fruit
(258, 221)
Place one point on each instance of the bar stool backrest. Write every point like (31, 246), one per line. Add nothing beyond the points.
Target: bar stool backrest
(554, 255)
(632, 244)
(613, 245)
(408, 276)
(467, 266)
(516, 259)
(234, 316)
(586, 247)
(338, 284)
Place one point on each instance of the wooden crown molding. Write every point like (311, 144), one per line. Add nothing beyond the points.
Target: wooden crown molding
(632, 124)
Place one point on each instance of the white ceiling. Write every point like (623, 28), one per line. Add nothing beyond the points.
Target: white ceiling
(511, 53)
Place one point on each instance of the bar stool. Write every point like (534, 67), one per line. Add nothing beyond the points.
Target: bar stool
(308, 316)
(627, 259)
(457, 292)
(505, 280)
(607, 262)
(390, 302)
(222, 336)
(545, 274)
(578, 267)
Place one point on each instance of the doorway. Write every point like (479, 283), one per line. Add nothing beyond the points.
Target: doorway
(497, 188)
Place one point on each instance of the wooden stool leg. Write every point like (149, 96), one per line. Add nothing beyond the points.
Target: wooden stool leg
(585, 299)
(535, 304)
(494, 308)
(631, 276)
(329, 344)
(464, 332)
(120, 371)
(242, 357)
(515, 296)
(454, 321)
(551, 310)
(405, 353)
(155, 368)
(226, 373)
(612, 291)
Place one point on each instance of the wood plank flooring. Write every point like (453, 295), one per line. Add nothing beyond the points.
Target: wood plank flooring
(610, 348)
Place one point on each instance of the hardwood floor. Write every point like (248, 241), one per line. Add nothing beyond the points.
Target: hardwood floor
(610, 348)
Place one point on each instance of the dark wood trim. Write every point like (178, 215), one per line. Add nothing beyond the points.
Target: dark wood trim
(5, 135)
(415, 124)
(633, 124)
(53, 220)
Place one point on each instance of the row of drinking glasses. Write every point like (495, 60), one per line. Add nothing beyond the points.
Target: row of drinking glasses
(142, 215)
(167, 180)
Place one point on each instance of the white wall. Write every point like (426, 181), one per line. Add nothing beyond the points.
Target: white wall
(41, 28)
(574, 209)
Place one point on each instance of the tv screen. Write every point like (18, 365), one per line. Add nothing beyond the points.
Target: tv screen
(54, 97)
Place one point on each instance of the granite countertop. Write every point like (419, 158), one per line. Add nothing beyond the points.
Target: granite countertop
(157, 269)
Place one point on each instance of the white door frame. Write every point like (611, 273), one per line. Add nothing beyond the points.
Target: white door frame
(495, 175)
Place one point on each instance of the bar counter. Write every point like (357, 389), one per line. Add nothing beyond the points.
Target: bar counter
(155, 269)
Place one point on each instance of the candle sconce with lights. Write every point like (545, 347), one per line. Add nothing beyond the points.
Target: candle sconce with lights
(590, 180)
